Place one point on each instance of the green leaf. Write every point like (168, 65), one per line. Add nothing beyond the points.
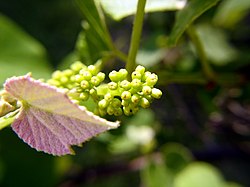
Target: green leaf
(199, 174)
(230, 12)
(20, 53)
(187, 15)
(95, 21)
(91, 46)
(118, 9)
(216, 46)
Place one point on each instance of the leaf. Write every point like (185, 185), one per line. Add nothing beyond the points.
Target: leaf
(199, 174)
(216, 45)
(20, 53)
(118, 9)
(94, 40)
(187, 15)
(48, 120)
(230, 12)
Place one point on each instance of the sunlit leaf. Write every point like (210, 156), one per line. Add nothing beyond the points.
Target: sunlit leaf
(48, 120)
(20, 53)
(119, 9)
(187, 15)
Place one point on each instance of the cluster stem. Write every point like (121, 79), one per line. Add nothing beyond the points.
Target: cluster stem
(136, 35)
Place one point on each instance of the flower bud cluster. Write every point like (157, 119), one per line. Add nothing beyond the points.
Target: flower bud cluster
(119, 96)
(80, 81)
(124, 96)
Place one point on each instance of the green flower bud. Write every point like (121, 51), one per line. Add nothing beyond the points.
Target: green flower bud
(102, 112)
(54, 82)
(77, 66)
(56, 75)
(135, 98)
(125, 103)
(73, 94)
(101, 76)
(113, 75)
(84, 96)
(79, 78)
(92, 69)
(68, 72)
(136, 75)
(93, 92)
(126, 85)
(123, 73)
(70, 86)
(146, 75)
(64, 79)
(136, 84)
(144, 103)
(110, 110)
(140, 69)
(129, 110)
(146, 90)
(95, 81)
(112, 85)
(103, 103)
(149, 98)
(126, 95)
(135, 110)
(116, 103)
(152, 79)
(156, 93)
(73, 78)
(118, 112)
(108, 97)
(86, 74)
(84, 84)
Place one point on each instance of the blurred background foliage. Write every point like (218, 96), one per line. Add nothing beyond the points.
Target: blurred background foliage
(196, 135)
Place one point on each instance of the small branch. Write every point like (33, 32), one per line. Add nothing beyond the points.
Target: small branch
(136, 35)
(208, 71)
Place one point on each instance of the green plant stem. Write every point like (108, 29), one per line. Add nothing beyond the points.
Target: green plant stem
(207, 70)
(136, 35)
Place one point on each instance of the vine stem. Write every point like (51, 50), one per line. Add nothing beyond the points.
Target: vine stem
(207, 70)
(136, 35)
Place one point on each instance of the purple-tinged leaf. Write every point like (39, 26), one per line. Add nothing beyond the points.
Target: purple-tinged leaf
(48, 120)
